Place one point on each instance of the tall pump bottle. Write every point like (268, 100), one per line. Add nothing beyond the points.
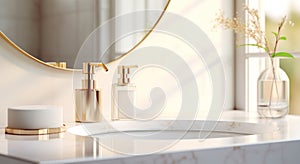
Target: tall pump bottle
(88, 103)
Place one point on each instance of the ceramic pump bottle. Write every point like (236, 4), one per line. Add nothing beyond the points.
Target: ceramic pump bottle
(123, 95)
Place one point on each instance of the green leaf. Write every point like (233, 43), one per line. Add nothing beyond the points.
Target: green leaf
(282, 38)
(282, 54)
(255, 45)
(275, 34)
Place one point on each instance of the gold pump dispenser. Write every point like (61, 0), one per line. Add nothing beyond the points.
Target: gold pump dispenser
(88, 99)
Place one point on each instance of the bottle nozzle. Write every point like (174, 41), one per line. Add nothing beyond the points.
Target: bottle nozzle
(124, 71)
(88, 70)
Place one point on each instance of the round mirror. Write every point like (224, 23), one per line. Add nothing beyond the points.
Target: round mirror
(53, 31)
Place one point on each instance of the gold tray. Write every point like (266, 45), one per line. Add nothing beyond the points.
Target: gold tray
(35, 131)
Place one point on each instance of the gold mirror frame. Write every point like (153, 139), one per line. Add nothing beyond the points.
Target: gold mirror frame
(14, 45)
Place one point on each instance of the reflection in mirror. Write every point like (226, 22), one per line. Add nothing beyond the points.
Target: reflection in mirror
(54, 30)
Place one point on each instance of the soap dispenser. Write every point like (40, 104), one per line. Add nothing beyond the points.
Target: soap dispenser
(123, 95)
(88, 98)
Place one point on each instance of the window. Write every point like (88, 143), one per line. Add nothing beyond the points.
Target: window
(273, 13)
(274, 10)
(250, 61)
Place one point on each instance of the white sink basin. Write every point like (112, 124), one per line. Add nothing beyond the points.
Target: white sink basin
(168, 134)
(169, 129)
(138, 137)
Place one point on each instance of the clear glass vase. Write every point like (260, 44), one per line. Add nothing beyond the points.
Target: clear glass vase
(273, 91)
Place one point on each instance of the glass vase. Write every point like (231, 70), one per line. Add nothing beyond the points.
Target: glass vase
(273, 91)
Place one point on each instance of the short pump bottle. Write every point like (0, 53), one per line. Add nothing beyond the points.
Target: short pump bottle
(123, 95)
(88, 99)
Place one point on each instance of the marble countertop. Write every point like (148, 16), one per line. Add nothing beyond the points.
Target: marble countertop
(279, 146)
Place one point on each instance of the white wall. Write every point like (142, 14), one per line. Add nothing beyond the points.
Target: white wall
(202, 13)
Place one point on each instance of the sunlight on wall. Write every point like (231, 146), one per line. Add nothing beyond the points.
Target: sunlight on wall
(196, 65)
